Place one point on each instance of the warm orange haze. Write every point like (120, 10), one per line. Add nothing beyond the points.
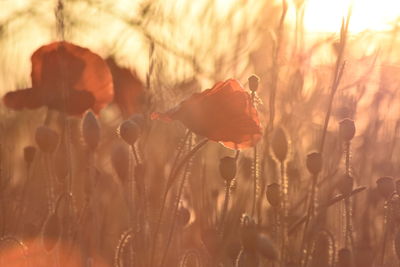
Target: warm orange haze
(205, 133)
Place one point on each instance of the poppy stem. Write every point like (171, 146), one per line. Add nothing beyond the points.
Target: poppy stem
(255, 176)
(175, 213)
(172, 177)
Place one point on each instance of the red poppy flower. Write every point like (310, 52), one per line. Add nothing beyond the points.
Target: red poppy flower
(65, 77)
(224, 113)
(128, 89)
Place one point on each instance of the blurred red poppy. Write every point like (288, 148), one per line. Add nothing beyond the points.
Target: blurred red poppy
(128, 89)
(65, 77)
(224, 113)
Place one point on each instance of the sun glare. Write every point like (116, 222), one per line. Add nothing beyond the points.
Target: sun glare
(326, 15)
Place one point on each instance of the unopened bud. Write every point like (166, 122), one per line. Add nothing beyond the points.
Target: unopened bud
(314, 163)
(227, 168)
(347, 129)
(90, 130)
(273, 195)
(385, 186)
(129, 131)
(280, 145)
(253, 82)
(46, 139)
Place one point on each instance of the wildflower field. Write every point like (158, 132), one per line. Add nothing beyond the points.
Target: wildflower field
(207, 133)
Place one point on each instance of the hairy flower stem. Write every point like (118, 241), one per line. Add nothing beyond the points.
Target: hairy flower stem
(175, 212)
(385, 232)
(347, 205)
(284, 212)
(50, 185)
(172, 177)
(255, 169)
(225, 207)
(310, 214)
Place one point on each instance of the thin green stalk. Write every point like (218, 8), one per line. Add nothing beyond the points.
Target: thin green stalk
(284, 212)
(225, 207)
(172, 177)
(255, 169)
(175, 212)
(339, 67)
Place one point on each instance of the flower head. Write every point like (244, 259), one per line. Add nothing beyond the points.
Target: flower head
(65, 77)
(224, 113)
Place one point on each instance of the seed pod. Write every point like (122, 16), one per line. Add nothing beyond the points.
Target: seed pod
(273, 195)
(385, 186)
(345, 185)
(129, 132)
(46, 139)
(91, 130)
(344, 258)
(253, 82)
(347, 129)
(247, 259)
(266, 247)
(183, 216)
(29, 154)
(314, 163)
(280, 145)
(248, 234)
(227, 168)
(120, 161)
(51, 232)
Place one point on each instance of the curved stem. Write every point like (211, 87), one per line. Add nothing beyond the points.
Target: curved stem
(172, 177)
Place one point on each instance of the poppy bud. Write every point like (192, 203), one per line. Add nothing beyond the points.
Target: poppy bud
(280, 145)
(184, 216)
(266, 247)
(46, 139)
(227, 168)
(249, 233)
(29, 154)
(253, 82)
(273, 195)
(385, 186)
(344, 258)
(345, 185)
(51, 232)
(129, 132)
(90, 130)
(314, 163)
(120, 161)
(347, 129)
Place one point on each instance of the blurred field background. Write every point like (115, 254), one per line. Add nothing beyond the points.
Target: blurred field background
(180, 47)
